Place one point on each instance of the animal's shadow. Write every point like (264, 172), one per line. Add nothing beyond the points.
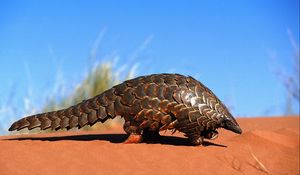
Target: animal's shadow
(119, 138)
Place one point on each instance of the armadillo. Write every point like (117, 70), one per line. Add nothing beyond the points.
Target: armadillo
(148, 104)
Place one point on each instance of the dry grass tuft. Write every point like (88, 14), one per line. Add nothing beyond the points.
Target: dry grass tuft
(258, 164)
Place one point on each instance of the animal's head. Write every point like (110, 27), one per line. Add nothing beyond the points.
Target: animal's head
(230, 124)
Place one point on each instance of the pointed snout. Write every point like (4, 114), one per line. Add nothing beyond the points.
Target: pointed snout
(237, 130)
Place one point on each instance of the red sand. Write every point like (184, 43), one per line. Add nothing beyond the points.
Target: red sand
(267, 146)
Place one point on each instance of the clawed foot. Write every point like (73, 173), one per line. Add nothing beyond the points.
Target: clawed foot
(212, 135)
(134, 138)
(147, 136)
(197, 141)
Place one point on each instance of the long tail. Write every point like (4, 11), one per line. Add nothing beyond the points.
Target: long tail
(86, 112)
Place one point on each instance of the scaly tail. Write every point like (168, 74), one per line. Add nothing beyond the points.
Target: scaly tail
(99, 108)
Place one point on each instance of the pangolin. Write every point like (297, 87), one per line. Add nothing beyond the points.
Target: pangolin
(148, 104)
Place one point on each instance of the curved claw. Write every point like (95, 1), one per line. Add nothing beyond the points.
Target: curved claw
(212, 135)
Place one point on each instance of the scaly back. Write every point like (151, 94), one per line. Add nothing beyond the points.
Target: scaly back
(158, 101)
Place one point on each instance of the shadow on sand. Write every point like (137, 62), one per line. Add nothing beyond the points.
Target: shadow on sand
(117, 138)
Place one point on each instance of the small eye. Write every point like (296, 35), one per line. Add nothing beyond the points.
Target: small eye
(229, 123)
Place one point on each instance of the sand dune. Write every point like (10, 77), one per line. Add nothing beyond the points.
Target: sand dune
(267, 146)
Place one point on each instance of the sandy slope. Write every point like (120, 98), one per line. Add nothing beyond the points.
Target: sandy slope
(268, 145)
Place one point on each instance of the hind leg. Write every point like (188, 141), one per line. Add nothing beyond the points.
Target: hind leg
(133, 131)
(134, 138)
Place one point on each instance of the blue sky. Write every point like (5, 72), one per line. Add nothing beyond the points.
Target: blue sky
(228, 45)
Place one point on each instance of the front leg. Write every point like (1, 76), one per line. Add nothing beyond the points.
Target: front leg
(211, 135)
(196, 139)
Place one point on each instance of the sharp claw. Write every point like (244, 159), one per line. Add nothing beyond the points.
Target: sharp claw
(174, 130)
(214, 136)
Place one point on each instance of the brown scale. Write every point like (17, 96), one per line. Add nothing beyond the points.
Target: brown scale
(148, 105)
